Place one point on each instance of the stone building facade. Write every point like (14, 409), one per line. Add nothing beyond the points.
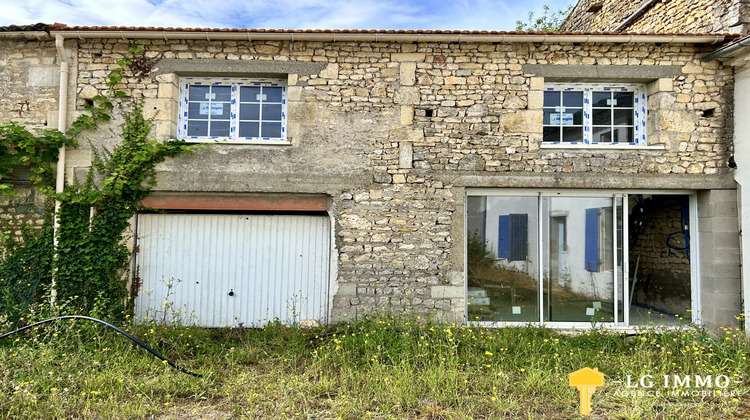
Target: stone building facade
(661, 16)
(29, 75)
(391, 133)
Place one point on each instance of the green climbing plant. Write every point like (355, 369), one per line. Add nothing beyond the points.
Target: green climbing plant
(94, 215)
(90, 261)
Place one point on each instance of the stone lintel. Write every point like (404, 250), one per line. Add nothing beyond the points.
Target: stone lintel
(598, 73)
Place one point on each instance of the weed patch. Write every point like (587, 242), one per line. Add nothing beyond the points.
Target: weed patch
(382, 367)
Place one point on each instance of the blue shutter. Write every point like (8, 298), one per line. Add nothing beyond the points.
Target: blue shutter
(592, 240)
(503, 237)
(518, 237)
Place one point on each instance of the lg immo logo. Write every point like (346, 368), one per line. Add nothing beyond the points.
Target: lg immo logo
(587, 380)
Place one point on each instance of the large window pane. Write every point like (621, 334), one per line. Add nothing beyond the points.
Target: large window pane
(250, 94)
(221, 93)
(551, 99)
(220, 128)
(197, 128)
(250, 112)
(270, 129)
(272, 112)
(623, 116)
(623, 99)
(272, 94)
(602, 135)
(578, 259)
(600, 99)
(502, 261)
(623, 134)
(571, 134)
(194, 111)
(249, 129)
(573, 98)
(601, 117)
(551, 134)
(199, 93)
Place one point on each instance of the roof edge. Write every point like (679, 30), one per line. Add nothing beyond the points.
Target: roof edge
(388, 36)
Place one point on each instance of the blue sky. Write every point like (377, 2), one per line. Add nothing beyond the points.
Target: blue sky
(279, 14)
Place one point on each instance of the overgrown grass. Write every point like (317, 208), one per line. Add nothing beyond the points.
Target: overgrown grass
(383, 367)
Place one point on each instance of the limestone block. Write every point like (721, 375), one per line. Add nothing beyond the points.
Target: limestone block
(302, 112)
(660, 85)
(267, 49)
(409, 134)
(159, 108)
(446, 292)
(408, 48)
(78, 157)
(165, 129)
(675, 121)
(521, 122)
(456, 278)
(406, 153)
(381, 177)
(347, 289)
(536, 83)
(167, 78)
(514, 102)
(407, 115)
(408, 73)
(88, 92)
(52, 119)
(535, 100)
(478, 110)
(330, 72)
(44, 76)
(691, 68)
(402, 57)
(353, 221)
(294, 93)
(407, 96)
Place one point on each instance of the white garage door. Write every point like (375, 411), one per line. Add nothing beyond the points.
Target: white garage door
(227, 270)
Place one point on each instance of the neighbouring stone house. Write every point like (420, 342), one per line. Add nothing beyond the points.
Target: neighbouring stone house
(491, 177)
(660, 16)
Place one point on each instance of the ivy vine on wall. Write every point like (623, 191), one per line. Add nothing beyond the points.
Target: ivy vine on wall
(91, 262)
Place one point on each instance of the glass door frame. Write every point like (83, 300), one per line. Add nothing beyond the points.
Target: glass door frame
(541, 193)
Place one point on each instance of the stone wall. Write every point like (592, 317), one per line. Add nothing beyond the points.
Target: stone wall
(665, 16)
(29, 79)
(394, 134)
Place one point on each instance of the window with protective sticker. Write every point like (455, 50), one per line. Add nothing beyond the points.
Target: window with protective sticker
(242, 110)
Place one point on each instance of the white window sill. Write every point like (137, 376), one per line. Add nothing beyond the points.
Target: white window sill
(601, 146)
(253, 142)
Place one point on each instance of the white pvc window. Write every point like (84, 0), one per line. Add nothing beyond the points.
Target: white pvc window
(242, 110)
(594, 113)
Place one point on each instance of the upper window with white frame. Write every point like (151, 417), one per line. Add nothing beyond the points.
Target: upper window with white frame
(594, 114)
(233, 109)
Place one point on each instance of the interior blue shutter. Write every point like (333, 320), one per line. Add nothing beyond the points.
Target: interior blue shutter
(592, 240)
(518, 237)
(503, 237)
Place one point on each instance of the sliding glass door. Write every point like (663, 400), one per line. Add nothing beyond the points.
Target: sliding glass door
(550, 257)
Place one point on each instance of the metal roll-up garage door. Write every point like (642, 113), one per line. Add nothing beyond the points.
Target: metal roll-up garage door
(231, 270)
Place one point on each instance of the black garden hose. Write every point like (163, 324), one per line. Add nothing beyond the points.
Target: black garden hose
(88, 318)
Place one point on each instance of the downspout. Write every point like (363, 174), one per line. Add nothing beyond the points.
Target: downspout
(635, 15)
(62, 116)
